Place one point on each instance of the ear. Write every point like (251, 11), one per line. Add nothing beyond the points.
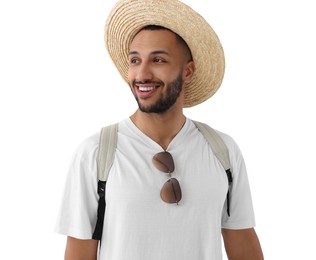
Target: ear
(188, 71)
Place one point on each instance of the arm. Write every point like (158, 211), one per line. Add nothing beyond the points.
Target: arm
(77, 249)
(242, 244)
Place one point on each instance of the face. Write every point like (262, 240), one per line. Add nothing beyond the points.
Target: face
(157, 70)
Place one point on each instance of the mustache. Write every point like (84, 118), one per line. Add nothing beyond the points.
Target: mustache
(148, 82)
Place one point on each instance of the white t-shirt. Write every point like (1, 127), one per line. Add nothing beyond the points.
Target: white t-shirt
(138, 225)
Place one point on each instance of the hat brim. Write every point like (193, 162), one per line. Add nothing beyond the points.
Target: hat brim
(128, 17)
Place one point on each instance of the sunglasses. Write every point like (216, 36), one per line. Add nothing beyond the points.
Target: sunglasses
(170, 191)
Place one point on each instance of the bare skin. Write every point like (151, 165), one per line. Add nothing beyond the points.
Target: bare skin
(154, 64)
(79, 249)
(242, 244)
(154, 60)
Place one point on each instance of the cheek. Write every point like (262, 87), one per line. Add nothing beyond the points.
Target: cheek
(130, 77)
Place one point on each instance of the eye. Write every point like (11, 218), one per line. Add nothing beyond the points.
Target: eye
(159, 60)
(134, 60)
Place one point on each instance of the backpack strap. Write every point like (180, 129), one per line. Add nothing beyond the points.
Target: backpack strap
(105, 158)
(106, 153)
(221, 152)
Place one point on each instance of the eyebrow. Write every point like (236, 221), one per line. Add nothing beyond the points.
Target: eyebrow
(152, 53)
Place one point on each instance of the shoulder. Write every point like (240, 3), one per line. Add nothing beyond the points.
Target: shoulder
(229, 141)
(237, 162)
(87, 149)
(235, 153)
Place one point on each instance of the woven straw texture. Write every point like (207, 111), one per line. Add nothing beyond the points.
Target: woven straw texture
(129, 16)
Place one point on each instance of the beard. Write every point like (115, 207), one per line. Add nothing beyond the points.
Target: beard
(166, 100)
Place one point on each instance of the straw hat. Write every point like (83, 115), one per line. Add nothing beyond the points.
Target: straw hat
(128, 17)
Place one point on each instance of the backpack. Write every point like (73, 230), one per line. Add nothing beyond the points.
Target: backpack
(105, 158)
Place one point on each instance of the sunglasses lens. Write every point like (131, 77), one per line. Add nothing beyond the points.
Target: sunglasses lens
(163, 161)
(171, 191)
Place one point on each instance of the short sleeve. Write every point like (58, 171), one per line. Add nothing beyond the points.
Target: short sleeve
(241, 207)
(78, 211)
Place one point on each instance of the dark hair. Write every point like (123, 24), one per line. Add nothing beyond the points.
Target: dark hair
(180, 40)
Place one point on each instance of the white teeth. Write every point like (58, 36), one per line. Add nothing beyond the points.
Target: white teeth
(146, 88)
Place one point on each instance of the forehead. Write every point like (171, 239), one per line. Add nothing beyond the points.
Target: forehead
(154, 39)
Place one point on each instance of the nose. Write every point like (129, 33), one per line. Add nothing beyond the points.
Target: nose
(143, 73)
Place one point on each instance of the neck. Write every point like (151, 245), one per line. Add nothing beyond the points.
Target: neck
(162, 127)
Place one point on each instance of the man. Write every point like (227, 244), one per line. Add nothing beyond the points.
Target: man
(171, 59)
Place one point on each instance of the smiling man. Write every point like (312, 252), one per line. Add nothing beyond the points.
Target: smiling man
(167, 196)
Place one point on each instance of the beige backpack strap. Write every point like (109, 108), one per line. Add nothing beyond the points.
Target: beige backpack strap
(221, 152)
(107, 146)
(218, 146)
(105, 158)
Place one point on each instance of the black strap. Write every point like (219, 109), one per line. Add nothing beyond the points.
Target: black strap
(230, 181)
(97, 234)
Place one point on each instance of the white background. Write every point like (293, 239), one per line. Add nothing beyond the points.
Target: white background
(59, 86)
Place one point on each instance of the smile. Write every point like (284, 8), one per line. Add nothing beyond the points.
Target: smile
(145, 89)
